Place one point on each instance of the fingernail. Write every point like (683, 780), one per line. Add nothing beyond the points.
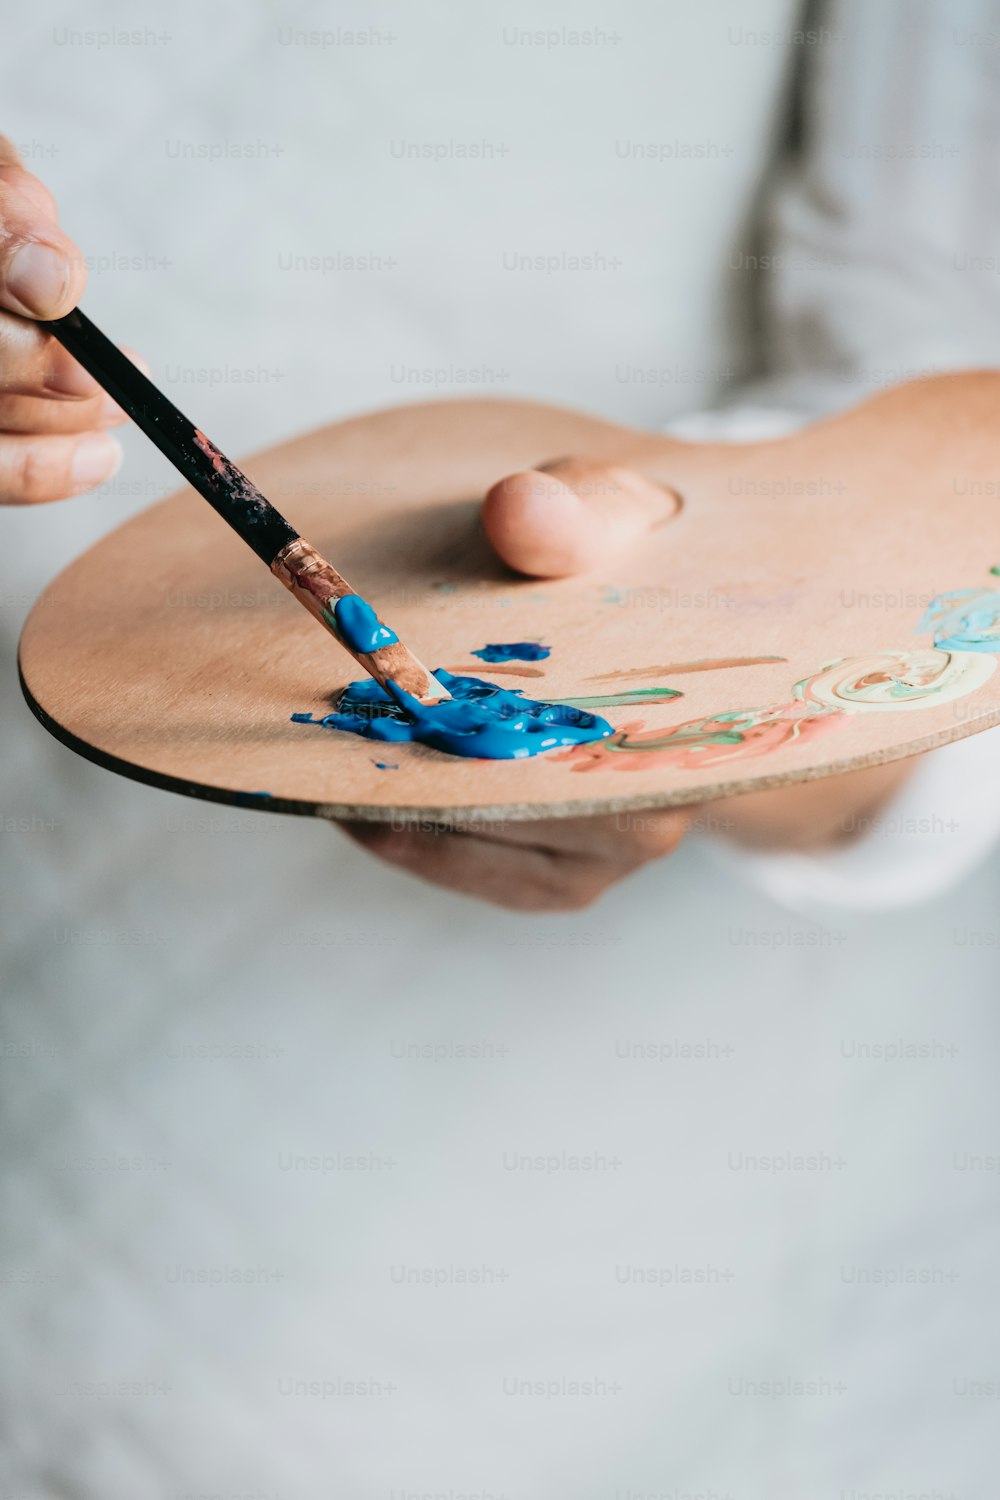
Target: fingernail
(98, 457)
(37, 278)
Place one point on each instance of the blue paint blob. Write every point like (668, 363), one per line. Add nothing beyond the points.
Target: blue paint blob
(514, 651)
(480, 720)
(359, 626)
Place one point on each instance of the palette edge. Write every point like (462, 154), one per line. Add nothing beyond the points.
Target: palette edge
(485, 813)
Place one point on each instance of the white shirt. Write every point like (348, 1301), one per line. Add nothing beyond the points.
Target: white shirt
(879, 228)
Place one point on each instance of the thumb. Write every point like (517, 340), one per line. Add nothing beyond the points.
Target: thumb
(42, 274)
(572, 514)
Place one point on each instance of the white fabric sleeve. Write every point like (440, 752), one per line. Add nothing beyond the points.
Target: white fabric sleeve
(879, 263)
(880, 225)
(936, 829)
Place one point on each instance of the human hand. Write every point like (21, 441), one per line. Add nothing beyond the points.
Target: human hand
(54, 418)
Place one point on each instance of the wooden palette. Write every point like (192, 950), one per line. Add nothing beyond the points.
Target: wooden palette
(168, 652)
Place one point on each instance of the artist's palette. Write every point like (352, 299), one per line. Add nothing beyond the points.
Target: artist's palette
(821, 604)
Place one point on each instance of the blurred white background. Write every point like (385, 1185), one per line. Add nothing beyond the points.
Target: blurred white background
(198, 1001)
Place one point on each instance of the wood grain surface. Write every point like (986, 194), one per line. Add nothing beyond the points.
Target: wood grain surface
(169, 653)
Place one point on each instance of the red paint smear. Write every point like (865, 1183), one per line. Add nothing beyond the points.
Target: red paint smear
(211, 451)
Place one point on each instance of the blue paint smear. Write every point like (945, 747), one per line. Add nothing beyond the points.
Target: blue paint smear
(964, 620)
(480, 720)
(359, 626)
(514, 651)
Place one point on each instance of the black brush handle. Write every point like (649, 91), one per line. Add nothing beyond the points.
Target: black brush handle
(211, 473)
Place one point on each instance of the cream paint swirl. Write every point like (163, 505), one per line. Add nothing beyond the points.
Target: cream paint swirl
(896, 680)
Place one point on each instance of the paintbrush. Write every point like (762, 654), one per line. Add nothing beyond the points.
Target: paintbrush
(307, 575)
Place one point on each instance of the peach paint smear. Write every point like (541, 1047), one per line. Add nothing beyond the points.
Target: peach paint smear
(713, 741)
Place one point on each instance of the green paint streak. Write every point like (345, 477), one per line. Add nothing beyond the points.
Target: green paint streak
(996, 569)
(621, 700)
(673, 739)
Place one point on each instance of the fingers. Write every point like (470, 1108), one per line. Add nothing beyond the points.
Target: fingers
(54, 420)
(810, 814)
(42, 274)
(37, 469)
(33, 363)
(518, 878)
(27, 414)
(53, 416)
(558, 866)
(571, 515)
(624, 839)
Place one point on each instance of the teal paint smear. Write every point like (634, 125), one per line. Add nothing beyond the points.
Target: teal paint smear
(964, 620)
(622, 700)
(671, 738)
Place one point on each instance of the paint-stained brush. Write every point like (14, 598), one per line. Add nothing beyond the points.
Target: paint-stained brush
(308, 576)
